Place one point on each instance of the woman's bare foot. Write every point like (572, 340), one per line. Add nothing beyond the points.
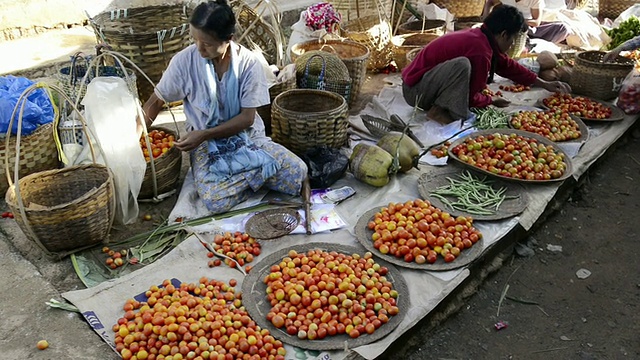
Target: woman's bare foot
(440, 115)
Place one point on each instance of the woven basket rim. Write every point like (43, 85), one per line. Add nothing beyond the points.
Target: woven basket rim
(350, 43)
(581, 56)
(10, 195)
(315, 92)
(104, 17)
(430, 24)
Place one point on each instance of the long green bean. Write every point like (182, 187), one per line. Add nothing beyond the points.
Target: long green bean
(471, 195)
(491, 118)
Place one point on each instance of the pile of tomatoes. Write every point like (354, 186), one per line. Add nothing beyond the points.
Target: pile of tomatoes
(512, 156)
(239, 246)
(416, 231)
(160, 142)
(318, 294)
(555, 125)
(441, 150)
(514, 88)
(578, 106)
(204, 320)
(489, 92)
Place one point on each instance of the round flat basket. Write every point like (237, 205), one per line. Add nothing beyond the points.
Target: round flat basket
(435, 27)
(582, 127)
(272, 223)
(363, 234)
(616, 113)
(540, 139)
(354, 55)
(461, 8)
(255, 300)
(514, 203)
(163, 177)
(593, 78)
(149, 36)
(303, 118)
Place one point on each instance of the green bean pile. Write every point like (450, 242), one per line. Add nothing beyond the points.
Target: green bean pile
(491, 118)
(472, 195)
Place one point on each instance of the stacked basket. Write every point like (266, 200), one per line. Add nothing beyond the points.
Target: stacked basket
(374, 32)
(149, 36)
(613, 8)
(461, 8)
(355, 57)
(591, 77)
(302, 119)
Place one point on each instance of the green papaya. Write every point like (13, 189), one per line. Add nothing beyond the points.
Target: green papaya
(408, 153)
(371, 164)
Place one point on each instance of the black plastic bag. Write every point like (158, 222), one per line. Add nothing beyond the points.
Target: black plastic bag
(326, 165)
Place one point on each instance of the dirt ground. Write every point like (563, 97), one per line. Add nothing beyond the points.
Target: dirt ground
(549, 311)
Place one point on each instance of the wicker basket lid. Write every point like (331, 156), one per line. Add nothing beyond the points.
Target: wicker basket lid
(272, 223)
(315, 61)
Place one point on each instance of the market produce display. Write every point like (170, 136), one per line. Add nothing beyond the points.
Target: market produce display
(512, 154)
(490, 118)
(160, 142)
(555, 125)
(627, 30)
(418, 235)
(204, 320)
(514, 88)
(238, 246)
(463, 193)
(583, 107)
(319, 296)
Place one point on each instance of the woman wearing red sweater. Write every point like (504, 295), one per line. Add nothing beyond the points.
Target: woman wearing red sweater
(449, 74)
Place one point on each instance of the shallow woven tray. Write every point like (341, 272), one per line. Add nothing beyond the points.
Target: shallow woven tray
(527, 134)
(584, 130)
(616, 113)
(363, 234)
(429, 182)
(254, 300)
(272, 223)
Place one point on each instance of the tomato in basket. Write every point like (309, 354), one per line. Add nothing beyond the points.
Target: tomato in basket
(160, 141)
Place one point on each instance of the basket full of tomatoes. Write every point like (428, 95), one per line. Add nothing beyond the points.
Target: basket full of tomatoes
(164, 162)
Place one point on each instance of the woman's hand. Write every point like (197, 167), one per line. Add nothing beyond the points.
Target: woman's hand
(557, 86)
(500, 102)
(611, 55)
(190, 140)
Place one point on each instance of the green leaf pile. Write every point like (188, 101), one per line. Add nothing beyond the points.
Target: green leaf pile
(627, 29)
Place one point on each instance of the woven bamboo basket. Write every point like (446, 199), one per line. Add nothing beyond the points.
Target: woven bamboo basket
(412, 54)
(373, 32)
(162, 173)
(149, 36)
(323, 71)
(274, 91)
(436, 27)
(466, 23)
(62, 210)
(461, 8)
(305, 118)
(254, 33)
(593, 78)
(518, 45)
(38, 152)
(70, 77)
(351, 9)
(355, 57)
(403, 44)
(613, 8)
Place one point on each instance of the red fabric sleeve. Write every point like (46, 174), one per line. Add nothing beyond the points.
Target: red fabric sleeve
(478, 81)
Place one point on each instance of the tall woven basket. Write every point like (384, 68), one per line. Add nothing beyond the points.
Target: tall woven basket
(519, 43)
(461, 8)
(162, 173)
(403, 44)
(613, 8)
(38, 152)
(274, 91)
(591, 77)
(355, 57)
(149, 36)
(62, 210)
(374, 32)
(304, 118)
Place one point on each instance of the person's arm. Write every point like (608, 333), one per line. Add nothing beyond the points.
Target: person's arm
(152, 108)
(238, 123)
(536, 17)
(628, 45)
(553, 86)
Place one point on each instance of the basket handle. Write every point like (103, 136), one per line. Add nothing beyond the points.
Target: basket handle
(73, 69)
(333, 50)
(21, 103)
(321, 84)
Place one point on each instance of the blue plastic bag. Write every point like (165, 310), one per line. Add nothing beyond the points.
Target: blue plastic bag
(38, 109)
